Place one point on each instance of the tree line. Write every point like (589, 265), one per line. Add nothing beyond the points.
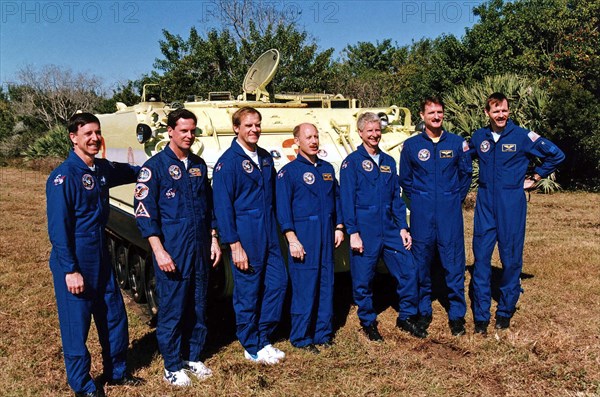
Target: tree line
(544, 54)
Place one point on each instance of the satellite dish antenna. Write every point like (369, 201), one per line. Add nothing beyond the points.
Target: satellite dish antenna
(260, 74)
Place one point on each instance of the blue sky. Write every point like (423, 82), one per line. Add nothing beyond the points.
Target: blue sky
(118, 40)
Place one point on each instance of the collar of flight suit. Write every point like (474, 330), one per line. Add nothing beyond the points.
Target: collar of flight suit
(238, 149)
(256, 176)
(173, 156)
(428, 138)
(79, 163)
(304, 160)
(510, 127)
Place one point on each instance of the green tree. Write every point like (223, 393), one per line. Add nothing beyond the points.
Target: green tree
(128, 93)
(302, 68)
(51, 94)
(55, 143)
(465, 104)
(197, 65)
(219, 61)
(574, 120)
(550, 38)
(7, 117)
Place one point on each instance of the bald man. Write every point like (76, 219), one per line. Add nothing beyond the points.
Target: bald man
(309, 215)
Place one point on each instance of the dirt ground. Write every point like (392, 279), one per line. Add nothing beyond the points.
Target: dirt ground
(551, 349)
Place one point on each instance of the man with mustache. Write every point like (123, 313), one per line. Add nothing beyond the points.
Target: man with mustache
(375, 219)
(309, 213)
(435, 175)
(244, 191)
(174, 211)
(84, 283)
(504, 151)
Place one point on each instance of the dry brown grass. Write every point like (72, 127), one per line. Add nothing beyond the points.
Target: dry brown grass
(552, 349)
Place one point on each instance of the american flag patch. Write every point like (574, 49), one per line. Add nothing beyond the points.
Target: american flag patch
(533, 136)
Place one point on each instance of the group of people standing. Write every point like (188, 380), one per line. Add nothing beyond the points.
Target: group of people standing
(186, 220)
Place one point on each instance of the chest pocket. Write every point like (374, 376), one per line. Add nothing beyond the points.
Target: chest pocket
(197, 177)
(368, 176)
(447, 158)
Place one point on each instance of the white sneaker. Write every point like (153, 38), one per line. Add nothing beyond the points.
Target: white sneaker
(177, 378)
(197, 368)
(274, 352)
(261, 357)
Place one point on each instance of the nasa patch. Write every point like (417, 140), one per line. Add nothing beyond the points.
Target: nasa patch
(485, 146)
(247, 166)
(327, 177)
(446, 154)
(424, 155)
(309, 178)
(509, 147)
(195, 172)
(170, 194)
(59, 179)
(175, 172)
(88, 181)
(218, 167)
(141, 191)
(140, 211)
(280, 174)
(344, 164)
(367, 165)
(144, 175)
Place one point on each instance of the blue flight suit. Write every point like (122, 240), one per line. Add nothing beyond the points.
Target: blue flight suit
(308, 203)
(372, 206)
(175, 204)
(244, 196)
(77, 207)
(435, 178)
(501, 209)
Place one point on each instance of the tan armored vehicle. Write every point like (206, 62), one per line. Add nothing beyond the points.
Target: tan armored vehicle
(134, 133)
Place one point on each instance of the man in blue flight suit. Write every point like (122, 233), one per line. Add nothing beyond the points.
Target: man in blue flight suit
(174, 212)
(375, 219)
(435, 175)
(504, 151)
(244, 195)
(84, 284)
(309, 213)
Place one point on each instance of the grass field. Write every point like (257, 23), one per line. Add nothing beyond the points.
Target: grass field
(552, 348)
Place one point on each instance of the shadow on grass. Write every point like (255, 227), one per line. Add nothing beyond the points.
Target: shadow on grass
(495, 281)
(342, 301)
(220, 321)
(221, 317)
(142, 351)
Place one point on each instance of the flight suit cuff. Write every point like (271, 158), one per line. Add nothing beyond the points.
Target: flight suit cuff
(285, 227)
(69, 268)
(352, 229)
(149, 233)
(229, 238)
(540, 171)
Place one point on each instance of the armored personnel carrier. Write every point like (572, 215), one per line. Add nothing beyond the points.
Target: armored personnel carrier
(134, 133)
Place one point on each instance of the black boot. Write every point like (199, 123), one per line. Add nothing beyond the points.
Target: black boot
(457, 327)
(373, 333)
(411, 326)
